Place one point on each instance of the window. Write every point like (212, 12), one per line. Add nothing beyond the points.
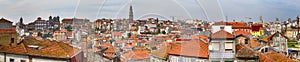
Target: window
(193, 60)
(266, 50)
(180, 59)
(216, 46)
(215, 61)
(11, 60)
(228, 61)
(187, 60)
(173, 59)
(200, 60)
(246, 42)
(23, 60)
(229, 45)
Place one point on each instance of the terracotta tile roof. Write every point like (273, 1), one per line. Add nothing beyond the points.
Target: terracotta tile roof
(19, 49)
(277, 57)
(46, 48)
(268, 38)
(4, 20)
(238, 25)
(8, 31)
(135, 55)
(254, 43)
(117, 34)
(235, 25)
(222, 34)
(202, 37)
(193, 48)
(243, 51)
(167, 38)
(264, 58)
(56, 50)
(49, 51)
(241, 32)
(221, 23)
(109, 52)
(120, 41)
(162, 52)
(128, 46)
(109, 46)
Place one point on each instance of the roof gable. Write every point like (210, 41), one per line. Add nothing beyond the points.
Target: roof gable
(222, 34)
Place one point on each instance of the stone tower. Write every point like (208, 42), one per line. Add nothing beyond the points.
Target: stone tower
(261, 20)
(21, 24)
(277, 21)
(130, 13)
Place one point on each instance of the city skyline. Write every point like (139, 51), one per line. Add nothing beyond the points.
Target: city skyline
(190, 9)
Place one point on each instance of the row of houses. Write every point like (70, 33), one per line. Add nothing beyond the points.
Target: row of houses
(31, 49)
(201, 42)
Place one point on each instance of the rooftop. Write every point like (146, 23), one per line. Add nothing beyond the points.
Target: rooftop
(194, 48)
(222, 34)
(5, 21)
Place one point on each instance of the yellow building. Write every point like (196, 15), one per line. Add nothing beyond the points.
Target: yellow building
(257, 30)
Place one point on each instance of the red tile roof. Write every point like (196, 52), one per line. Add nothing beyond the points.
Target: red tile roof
(135, 55)
(109, 53)
(163, 50)
(19, 49)
(256, 27)
(4, 20)
(120, 41)
(193, 48)
(277, 57)
(56, 50)
(222, 34)
(264, 58)
(221, 23)
(117, 34)
(268, 39)
(202, 37)
(254, 43)
(241, 32)
(46, 48)
(238, 25)
(243, 51)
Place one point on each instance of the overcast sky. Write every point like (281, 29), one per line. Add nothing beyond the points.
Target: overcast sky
(213, 10)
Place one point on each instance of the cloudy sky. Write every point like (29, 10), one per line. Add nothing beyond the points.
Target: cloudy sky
(212, 10)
